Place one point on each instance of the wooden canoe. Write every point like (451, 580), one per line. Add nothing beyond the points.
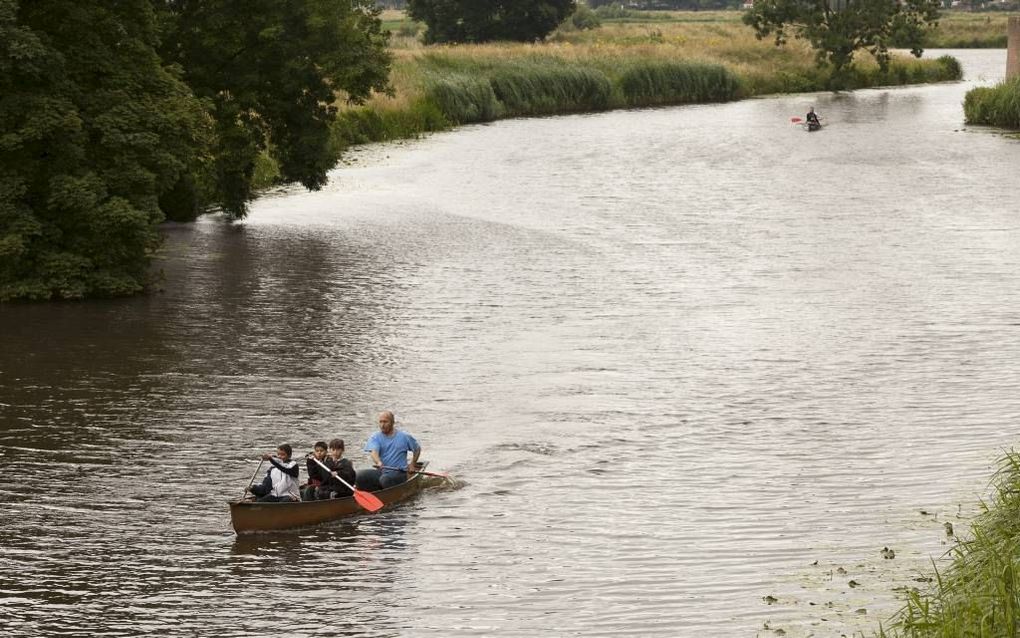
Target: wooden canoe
(249, 517)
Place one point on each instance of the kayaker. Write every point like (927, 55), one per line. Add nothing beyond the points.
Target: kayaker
(388, 448)
(812, 117)
(331, 487)
(281, 482)
(315, 472)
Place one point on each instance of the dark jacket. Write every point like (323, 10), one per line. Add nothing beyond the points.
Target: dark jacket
(346, 471)
(315, 472)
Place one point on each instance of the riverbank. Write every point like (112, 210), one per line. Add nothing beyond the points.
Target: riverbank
(620, 65)
(979, 594)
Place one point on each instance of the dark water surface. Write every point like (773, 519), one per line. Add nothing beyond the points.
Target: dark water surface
(677, 355)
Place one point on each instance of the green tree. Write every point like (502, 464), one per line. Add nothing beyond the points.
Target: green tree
(487, 20)
(93, 129)
(838, 28)
(271, 72)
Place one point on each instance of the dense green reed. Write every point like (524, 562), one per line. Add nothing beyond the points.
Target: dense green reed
(978, 596)
(996, 106)
(677, 83)
(461, 89)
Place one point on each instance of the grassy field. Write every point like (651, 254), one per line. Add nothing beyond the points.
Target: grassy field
(656, 58)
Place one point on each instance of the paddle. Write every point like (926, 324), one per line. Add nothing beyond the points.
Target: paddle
(252, 479)
(796, 120)
(367, 500)
(397, 469)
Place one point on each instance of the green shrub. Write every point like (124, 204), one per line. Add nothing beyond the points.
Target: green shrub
(584, 18)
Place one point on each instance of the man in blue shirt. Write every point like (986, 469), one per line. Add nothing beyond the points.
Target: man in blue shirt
(388, 448)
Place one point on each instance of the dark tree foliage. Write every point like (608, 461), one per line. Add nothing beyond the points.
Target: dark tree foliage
(270, 72)
(93, 129)
(838, 28)
(487, 20)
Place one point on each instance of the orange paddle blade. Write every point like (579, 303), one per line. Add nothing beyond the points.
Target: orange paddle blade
(795, 119)
(368, 500)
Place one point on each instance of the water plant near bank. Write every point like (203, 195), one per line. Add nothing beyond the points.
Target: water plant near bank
(994, 106)
(978, 595)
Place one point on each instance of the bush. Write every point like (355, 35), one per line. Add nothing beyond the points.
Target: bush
(585, 18)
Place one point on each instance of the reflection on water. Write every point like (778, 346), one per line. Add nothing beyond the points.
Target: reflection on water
(686, 359)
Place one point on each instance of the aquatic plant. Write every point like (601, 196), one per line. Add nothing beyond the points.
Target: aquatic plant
(978, 595)
(995, 106)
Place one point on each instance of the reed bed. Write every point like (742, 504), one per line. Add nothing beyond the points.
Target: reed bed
(978, 596)
(675, 58)
(995, 106)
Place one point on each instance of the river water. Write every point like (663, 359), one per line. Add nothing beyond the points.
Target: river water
(682, 359)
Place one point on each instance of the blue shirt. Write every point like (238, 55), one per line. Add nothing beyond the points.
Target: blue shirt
(392, 449)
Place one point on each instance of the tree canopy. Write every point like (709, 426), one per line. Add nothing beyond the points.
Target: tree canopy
(113, 114)
(270, 71)
(838, 28)
(484, 21)
(92, 129)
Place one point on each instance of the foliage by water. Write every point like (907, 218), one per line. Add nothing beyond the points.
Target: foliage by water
(93, 129)
(995, 106)
(683, 58)
(116, 115)
(836, 36)
(978, 596)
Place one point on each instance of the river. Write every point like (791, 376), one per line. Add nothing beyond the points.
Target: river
(685, 361)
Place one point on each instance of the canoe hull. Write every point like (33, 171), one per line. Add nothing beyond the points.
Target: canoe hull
(249, 517)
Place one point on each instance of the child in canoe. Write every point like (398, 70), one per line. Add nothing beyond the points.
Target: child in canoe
(281, 482)
(337, 466)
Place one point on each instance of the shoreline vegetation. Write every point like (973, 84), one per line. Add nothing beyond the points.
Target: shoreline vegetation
(994, 106)
(978, 594)
(637, 59)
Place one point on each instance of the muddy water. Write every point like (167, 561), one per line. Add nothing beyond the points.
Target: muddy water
(684, 359)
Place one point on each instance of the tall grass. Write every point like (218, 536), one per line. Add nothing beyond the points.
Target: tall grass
(996, 106)
(680, 58)
(978, 596)
(678, 83)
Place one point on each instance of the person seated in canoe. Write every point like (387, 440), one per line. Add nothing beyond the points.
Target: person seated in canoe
(281, 482)
(340, 467)
(316, 475)
(388, 448)
(812, 117)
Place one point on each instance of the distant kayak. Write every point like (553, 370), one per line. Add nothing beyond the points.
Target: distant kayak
(813, 126)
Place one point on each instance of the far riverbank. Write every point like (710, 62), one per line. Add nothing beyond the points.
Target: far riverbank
(618, 65)
(622, 64)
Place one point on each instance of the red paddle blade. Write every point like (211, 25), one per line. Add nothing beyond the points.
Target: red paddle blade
(795, 119)
(368, 500)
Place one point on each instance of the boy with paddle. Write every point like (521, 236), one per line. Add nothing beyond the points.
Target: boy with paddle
(336, 468)
(281, 482)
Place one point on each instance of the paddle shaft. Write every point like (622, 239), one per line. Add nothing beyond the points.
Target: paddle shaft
(334, 474)
(252, 479)
(397, 469)
(367, 500)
